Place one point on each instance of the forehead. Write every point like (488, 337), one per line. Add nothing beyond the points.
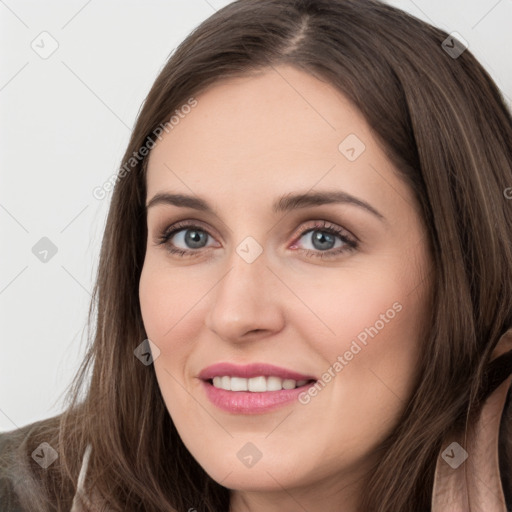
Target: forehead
(278, 110)
(279, 130)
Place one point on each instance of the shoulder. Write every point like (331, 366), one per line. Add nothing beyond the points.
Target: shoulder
(18, 450)
(11, 474)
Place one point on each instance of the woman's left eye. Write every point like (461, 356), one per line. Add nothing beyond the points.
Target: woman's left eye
(325, 240)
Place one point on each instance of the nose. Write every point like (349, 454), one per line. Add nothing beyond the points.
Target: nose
(247, 302)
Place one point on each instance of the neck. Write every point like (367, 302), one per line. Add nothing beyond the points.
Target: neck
(337, 495)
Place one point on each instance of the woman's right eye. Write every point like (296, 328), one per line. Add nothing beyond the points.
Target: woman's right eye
(185, 240)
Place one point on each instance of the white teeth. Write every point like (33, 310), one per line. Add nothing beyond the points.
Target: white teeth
(274, 384)
(288, 384)
(255, 384)
(238, 384)
(225, 383)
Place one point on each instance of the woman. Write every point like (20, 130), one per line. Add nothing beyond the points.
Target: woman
(304, 297)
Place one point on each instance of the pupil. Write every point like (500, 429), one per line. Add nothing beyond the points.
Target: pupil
(193, 238)
(320, 238)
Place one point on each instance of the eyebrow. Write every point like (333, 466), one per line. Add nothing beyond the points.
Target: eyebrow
(285, 203)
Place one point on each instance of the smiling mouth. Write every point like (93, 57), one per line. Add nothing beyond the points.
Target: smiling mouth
(258, 384)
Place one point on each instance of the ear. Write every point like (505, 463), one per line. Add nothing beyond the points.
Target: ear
(503, 346)
(500, 366)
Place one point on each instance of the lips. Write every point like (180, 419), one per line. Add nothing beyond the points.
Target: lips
(256, 390)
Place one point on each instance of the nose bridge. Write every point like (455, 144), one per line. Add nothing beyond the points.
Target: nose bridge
(245, 287)
(247, 265)
(242, 280)
(245, 298)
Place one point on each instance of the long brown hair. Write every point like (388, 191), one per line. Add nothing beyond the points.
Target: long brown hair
(445, 126)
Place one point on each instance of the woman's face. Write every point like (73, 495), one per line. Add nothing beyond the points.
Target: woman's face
(294, 245)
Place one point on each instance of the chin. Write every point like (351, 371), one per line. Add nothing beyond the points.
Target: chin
(263, 479)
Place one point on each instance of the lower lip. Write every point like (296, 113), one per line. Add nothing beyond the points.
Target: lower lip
(248, 402)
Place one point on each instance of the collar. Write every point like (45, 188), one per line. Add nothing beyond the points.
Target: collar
(467, 476)
(80, 501)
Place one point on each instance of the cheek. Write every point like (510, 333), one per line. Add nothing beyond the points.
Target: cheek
(359, 308)
(167, 307)
(167, 300)
(369, 333)
(173, 305)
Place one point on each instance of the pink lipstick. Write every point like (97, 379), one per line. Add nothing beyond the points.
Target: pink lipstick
(254, 388)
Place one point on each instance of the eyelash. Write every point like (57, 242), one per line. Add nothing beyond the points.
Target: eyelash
(323, 226)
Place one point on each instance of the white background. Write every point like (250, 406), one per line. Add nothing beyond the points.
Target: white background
(64, 125)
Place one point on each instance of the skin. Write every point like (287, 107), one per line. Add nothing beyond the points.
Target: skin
(247, 142)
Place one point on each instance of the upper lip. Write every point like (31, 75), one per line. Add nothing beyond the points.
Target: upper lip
(251, 370)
